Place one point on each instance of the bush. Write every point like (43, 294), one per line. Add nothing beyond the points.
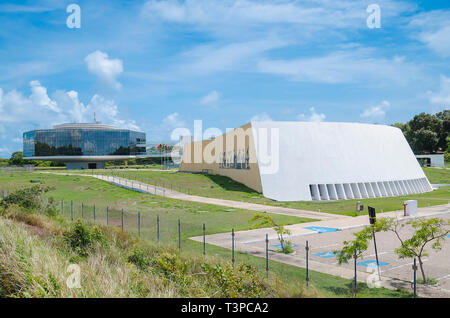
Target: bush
(447, 156)
(139, 258)
(232, 281)
(28, 198)
(83, 238)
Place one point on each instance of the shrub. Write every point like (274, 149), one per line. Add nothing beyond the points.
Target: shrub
(83, 238)
(28, 198)
(139, 258)
(447, 156)
(235, 281)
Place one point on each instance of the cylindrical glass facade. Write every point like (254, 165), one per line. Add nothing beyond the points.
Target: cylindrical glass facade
(83, 142)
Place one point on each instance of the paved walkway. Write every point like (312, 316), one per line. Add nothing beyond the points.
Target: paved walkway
(156, 190)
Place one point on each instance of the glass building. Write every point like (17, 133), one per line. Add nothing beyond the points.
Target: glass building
(84, 145)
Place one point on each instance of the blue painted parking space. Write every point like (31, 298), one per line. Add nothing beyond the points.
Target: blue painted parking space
(322, 229)
(371, 263)
(325, 254)
(279, 245)
(448, 236)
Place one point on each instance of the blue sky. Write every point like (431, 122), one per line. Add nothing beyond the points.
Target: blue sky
(159, 65)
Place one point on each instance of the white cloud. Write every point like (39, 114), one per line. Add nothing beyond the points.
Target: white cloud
(104, 68)
(376, 113)
(19, 113)
(207, 59)
(438, 41)
(210, 99)
(442, 97)
(173, 121)
(342, 67)
(432, 29)
(311, 14)
(313, 116)
(261, 117)
(39, 97)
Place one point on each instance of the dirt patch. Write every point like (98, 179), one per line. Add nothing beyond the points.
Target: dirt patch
(40, 231)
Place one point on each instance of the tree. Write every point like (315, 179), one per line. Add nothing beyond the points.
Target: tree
(426, 132)
(361, 242)
(425, 140)
(425, 231)
(286, 246)
(16, 158)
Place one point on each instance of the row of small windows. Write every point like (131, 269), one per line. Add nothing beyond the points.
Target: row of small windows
(361, 190)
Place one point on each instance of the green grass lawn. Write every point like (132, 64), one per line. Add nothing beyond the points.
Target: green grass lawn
(90, 191)
(192, 215)
(224, 188)
(437, 175)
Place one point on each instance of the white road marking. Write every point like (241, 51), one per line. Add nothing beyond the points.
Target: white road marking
(392, 268)
(320, 247)
(443, 277)
(382, 253)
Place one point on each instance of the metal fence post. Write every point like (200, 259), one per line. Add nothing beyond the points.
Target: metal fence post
(62, 206)
(82, 210)
(267, 256)
(355, 282)
(307, 265)
(204, 240)
(139, 224)
(157, 228)
(71, 209)
(107, 215)
(415, 277)
(232, 246)
(94, 212)
(122, 220)
(179, 234)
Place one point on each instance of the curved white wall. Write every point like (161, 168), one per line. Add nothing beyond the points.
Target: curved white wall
(340, 161)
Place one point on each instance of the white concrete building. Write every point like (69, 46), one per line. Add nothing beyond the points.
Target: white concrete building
(303, 161)
(431, 160)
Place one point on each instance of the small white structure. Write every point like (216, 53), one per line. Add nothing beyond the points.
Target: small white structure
(435, 160)
(410, 207)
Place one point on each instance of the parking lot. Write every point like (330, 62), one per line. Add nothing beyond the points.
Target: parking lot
(322, 245)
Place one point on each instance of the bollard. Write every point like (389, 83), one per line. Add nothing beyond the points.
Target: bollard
(122, 220)
(232, 246)
(157, 228)
(71, 209)
(139, 224)
(307, 265)
(355, 282)
(107, 215)
(179, 234)
(267, 256)
(204, 240)
(414, 267)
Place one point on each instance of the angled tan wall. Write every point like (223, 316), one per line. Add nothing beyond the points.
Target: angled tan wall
(232, 154)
